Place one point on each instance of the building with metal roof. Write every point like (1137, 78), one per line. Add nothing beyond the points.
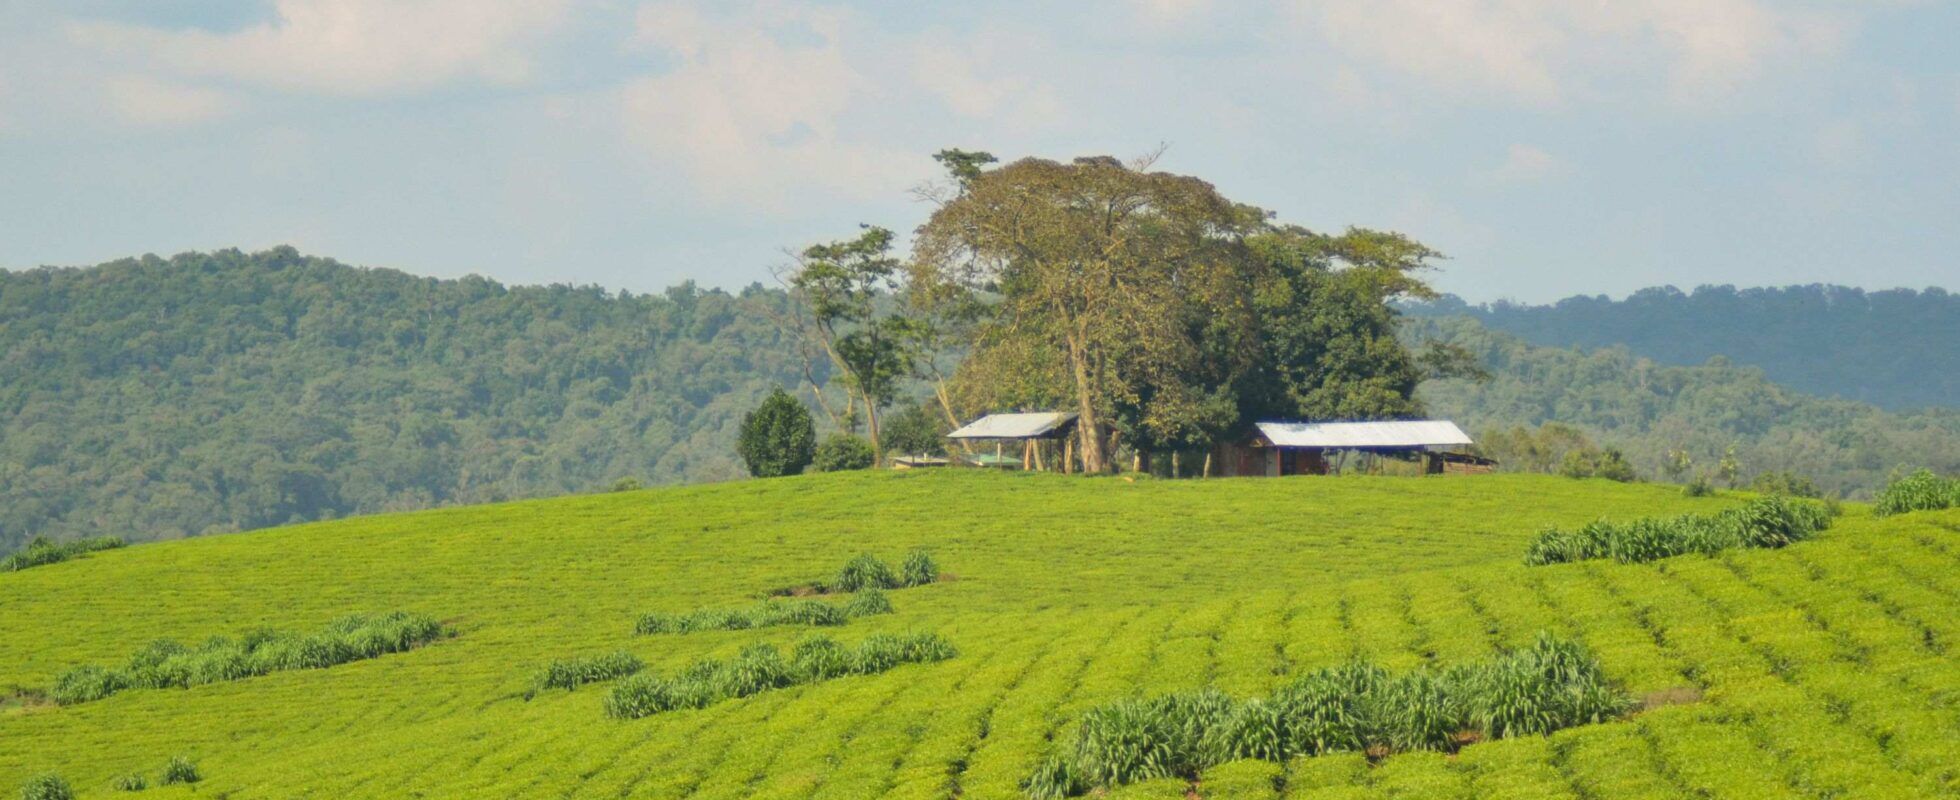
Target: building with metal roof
(1318, 448)
(1037, 425)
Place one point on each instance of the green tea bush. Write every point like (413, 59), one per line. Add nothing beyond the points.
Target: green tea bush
(41, 551)
(133, 782)
(778, 437)
(1919, 491)
(761, 668)
(865, 572)
(1550, 685)
(167, 664)
(571, 673)
(918, 570)
(1766, 522)
(180, 770)
(46, 787)
(768, 613)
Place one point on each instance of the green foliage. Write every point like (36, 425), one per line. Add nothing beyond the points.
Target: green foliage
(181, 770)
(1551, 685)
(768, 613)
(865, 571)
(1832, 341)
(133, 782)
(919, 569)
(229, 391)
(571, 673)
(1658, 414)
(1699, 487)
(1918, 491)
(842, 451)
(1767, 522)
(167, 664)
(46, 787)
(40, 551)
(761, 667)
(626, 485)
(917, 430)
(777, 438)
(1785, 482)
(1588, 462)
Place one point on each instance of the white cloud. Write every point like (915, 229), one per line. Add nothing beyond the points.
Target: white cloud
(1543, 52)
(147, 101)
(965, 74)
(1524, 163)
(758, 104)
(348, 47)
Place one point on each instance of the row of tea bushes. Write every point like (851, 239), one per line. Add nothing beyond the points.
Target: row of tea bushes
(42, 551)
(768, 613)
(762, 667)
(1360, 707)
(168, 664)
(1766, 522)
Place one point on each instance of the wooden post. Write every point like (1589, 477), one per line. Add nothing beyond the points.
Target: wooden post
(1177, 463)
(1037, 446)
(1027, 453)
(1068, 455)
(1207, 464)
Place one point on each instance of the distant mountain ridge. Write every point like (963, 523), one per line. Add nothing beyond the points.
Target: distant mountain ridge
(1897, 349)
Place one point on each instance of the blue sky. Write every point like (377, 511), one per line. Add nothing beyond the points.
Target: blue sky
(1549, 147)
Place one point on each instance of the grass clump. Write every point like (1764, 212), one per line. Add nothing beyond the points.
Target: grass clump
(42, 551)
(46, 787)
(133, 782)
(180, 770)
(762, 667)
(571, 673)
(865, 572)
(1358, 707)
(168, 664)
(768, 613)
(1766, 522)
(1919, 491)
(918, 570)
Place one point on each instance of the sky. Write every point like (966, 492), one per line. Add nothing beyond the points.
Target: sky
(1549, 147)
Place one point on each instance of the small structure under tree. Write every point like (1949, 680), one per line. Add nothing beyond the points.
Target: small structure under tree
(1029, 431)
(1321, 448)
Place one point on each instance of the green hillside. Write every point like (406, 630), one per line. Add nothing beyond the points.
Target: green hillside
(1821, 670)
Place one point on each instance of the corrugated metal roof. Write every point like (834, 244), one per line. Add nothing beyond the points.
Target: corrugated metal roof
(1386, 433)
(1013, 426)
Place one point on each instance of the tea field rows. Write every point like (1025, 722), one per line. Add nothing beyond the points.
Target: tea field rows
(1822, 670)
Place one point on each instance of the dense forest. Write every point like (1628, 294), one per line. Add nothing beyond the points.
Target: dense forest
(1651, 411)
(1898, 349)
(158, 398)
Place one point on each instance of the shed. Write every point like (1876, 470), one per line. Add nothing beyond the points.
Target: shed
(1310, 448)
(1027, 428)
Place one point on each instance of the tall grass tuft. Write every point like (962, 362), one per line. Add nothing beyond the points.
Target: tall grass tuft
(133, 782)
(1552, 684)
(46, 787)
(42, 551)
(1766, 522)
(167, 664)
(768, 613)
(1919, 491)
(865, 572)
(571, 673)
(919, 569)
(761, 668)
(181, 770)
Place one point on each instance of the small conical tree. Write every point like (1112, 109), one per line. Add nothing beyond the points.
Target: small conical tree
(778, 437)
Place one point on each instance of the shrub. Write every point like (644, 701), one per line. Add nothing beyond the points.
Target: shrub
(180, 770)
(1918, 491)
(868, 602)
(842, 451)
(41, 551)
(1551, 685)
(762, 667)
(167, 664)
(1699, 487)
(865, 572)
(768, 613)
(46, 787)
(777, 438)
(918, 570)
(627, 484)
(571, 673)
(1766, 522)
(133, 782)
(1785, 483)
(1589, 462)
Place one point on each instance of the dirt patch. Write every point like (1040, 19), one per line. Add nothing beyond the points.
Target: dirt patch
(17, 700)
(1670, 697)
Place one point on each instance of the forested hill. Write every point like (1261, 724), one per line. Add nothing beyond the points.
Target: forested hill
(1897, 349)
(156, 398)
(1648, 409)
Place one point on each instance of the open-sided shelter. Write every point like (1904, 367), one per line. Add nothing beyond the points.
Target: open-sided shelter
(1028, 429)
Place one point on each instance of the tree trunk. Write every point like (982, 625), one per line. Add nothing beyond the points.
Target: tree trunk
(1068, 455)
(871, 425)
(1086, 425)
(1207, 463)
(1177, 463)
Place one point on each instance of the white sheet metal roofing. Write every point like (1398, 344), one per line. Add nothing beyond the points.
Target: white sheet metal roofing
(1399, 433)
(1013, 426)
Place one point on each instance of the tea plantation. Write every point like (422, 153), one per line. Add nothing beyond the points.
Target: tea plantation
(1829, 668)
